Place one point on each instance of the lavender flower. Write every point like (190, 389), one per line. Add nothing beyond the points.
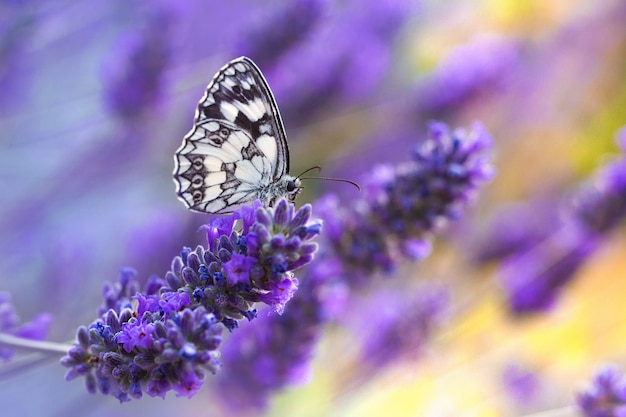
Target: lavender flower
(239, 270)
(506, 235)
(533, 279)
(133, 74)
(166, 336)
(350, 70)
(145, 343)
(401, 324)
(521, 384)
(10, 324)
(405, 205)
(482, 65)
(280, 30)
(606, 395)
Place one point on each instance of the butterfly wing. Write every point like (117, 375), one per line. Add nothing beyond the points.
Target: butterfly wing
(237, 144)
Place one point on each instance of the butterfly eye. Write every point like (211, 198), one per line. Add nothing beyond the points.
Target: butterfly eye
(291, 185)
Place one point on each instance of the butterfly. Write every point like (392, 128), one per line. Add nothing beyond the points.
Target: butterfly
(237, 150)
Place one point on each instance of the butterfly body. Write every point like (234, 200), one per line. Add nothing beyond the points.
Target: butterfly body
(237, 150)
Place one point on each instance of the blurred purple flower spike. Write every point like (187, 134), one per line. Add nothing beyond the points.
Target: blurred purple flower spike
(281, 29)
(133, 75)
(264, 357)
(396, 325)
(534, 278)
(520, 383)
(10, 324)
(483, 64)
(343, 63)
(606, 394)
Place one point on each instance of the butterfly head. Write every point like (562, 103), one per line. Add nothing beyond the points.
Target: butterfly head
(293, 188)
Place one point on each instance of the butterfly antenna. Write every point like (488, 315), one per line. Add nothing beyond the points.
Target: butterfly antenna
(333, 179)
(319, 169)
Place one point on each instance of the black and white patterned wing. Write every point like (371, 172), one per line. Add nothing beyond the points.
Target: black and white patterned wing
(237, 146)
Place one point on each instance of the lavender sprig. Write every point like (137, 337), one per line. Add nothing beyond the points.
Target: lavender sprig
(166, 336)
(133, 74)
(406, 204)
(606, 395)
(533, 279)
(280, 30)
(256, 265)
(10, 324)
(402, 324)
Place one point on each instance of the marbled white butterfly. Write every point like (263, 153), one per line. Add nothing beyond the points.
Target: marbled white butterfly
(237, 150)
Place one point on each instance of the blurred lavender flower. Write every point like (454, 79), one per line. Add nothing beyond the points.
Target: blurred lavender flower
(482, 65)
(360, 35)
(506, 235)
(401, 324)
(17, 21)
(164, 337)
(404, 206)
(10, 324)
(520, 383)
(606, 395)
(278, 31)
(133, 73)
(533, 279)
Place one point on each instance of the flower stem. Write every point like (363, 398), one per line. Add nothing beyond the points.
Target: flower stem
(34, 345)
(566, 411)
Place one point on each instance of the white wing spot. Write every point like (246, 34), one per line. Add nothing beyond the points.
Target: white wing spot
(211, 126)
(215, 178)
(254, 110)
(267, 144)
(229, 111)
(247, 172)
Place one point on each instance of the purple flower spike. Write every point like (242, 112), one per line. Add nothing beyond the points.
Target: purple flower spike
(133, 74)
(10, 323)
(401, 326)
(167, 336)
(533, 279)
(606, 395)
(162, 344)
(405, 205)
(482, 65)
(254, 264)
(281, 30)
